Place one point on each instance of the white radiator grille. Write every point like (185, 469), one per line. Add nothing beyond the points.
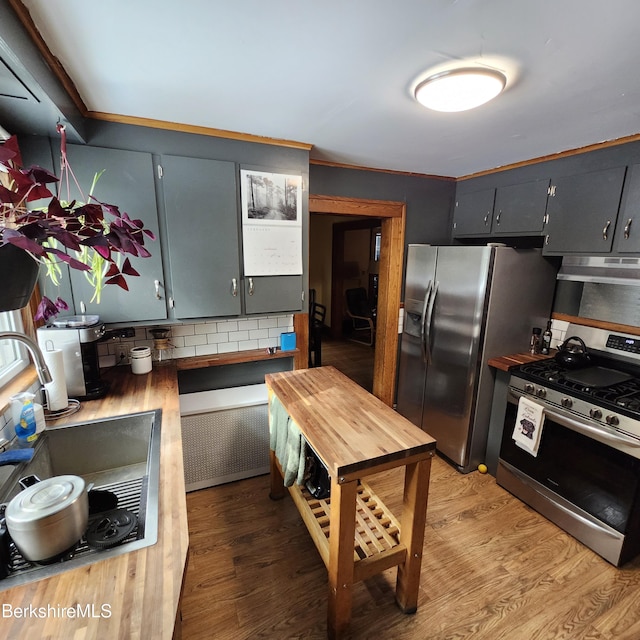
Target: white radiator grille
(227, 445)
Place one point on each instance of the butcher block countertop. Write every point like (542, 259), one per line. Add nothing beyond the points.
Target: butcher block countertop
(140, 590)
(351, 430)
(505, 363)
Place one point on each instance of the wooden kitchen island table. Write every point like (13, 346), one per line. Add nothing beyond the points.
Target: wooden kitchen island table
(356, 435)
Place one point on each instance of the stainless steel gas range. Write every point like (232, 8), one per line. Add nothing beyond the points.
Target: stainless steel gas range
(584, 472)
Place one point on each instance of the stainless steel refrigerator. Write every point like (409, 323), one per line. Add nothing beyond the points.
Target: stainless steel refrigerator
(462, 306)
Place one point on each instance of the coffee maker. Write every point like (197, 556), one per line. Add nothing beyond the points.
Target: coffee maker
(77, 337)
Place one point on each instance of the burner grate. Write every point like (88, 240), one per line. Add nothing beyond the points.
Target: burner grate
(623, 396)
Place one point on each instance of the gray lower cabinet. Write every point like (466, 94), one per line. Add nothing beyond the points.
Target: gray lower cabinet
(582, 211)
(127, 181)
(627, 236)
(520, 209)
(473, 213)
(201, 208)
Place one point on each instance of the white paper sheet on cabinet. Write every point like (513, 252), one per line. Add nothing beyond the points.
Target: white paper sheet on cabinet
(271, 223)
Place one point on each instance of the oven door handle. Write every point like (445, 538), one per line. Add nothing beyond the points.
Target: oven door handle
(588, 430)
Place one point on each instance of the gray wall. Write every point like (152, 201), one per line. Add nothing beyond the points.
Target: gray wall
(597, 160)
(429, 200)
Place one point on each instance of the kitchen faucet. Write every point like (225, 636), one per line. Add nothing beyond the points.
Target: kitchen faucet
(38, 360)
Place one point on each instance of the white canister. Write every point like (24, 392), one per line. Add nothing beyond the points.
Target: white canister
(140, 359)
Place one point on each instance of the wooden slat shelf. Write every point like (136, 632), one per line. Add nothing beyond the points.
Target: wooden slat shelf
(377, 530)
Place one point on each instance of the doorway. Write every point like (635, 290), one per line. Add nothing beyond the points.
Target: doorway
(392, 223)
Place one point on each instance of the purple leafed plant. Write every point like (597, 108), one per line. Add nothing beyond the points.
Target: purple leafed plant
(93, 237)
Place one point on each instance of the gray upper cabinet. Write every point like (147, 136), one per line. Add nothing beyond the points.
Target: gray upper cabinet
(582, 211)
(128, 182)
(272, 294)
(627, 236)
(473, 213)
(200, 199)
(520, 209)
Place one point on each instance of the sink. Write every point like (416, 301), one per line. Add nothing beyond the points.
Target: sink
(121, 454)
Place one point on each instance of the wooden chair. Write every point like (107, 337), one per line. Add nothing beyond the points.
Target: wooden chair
(317, 314)
(361, 314)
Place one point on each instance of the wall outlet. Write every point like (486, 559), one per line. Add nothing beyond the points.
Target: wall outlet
(121, 356)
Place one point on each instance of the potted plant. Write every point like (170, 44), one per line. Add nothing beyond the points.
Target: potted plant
(93, 237)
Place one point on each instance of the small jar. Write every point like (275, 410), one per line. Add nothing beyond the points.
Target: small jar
(534, 347)
(140, 359)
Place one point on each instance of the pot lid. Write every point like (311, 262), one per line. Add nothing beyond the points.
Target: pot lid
(44, 499)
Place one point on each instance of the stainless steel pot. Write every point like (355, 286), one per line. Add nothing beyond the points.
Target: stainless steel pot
(48, 517)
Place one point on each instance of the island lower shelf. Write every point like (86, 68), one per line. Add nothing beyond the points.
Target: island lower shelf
(377, 545)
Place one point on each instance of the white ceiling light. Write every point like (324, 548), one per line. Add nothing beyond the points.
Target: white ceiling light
(460, 89)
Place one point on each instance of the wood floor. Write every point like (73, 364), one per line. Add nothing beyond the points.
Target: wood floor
(492, 569)
(354, 359)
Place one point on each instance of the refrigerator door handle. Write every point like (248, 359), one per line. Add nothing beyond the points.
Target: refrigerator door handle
(429, 321)
(423, 320)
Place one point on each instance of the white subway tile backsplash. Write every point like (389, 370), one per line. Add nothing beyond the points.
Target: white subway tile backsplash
(205, 328)
(209, 337)
(266, 323)
(217, 338)
(558, 332)
(247, 325)
(183, 330)
(206, 349)
(228, 325)
(195, 340)
(184, 352)
(559, 325)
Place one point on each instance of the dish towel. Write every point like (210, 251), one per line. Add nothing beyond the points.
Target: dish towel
(528, 428)
(288, 443)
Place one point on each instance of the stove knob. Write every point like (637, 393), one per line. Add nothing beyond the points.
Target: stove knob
(529, 388)
(596, 414)
(541, 393)
(613, 420)
(567, 403)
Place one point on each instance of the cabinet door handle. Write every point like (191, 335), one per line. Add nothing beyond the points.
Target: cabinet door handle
(250, 286)
(546, 239)
(486, 218)
(234, 287)
(605, 231)
(498, 216)
(627, 229)
(156, 284)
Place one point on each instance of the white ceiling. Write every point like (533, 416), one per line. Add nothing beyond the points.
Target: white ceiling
(339, 73)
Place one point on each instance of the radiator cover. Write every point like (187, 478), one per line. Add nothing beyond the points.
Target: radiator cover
(225, 445)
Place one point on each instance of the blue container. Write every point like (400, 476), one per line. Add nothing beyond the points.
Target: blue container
(288, 341)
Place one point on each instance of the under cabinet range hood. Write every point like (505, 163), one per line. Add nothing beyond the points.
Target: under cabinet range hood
(601, 269)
